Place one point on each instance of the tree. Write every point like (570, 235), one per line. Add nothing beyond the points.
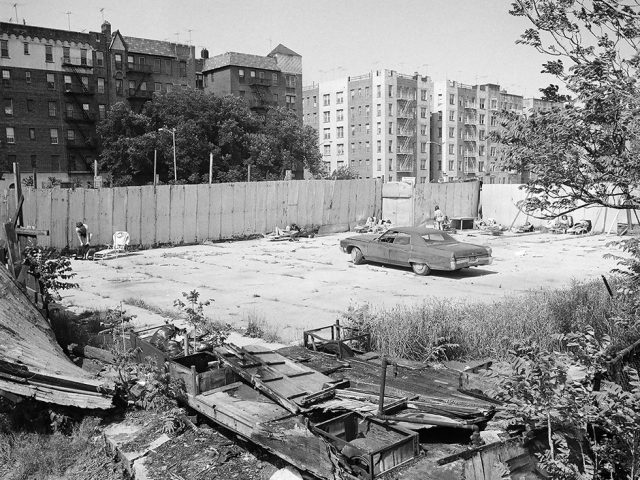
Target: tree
(585, 153)
(204, 124)
(343, 173)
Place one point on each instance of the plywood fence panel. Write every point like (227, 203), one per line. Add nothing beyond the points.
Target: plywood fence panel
(148, 211)
(281, 204)
(316, 194)
(239, 206)
(262, 226)
(176, 220)
(226, 215)
(163, 214)
(327, 201)
(215, 211)
(190, 213)
(43, 216)
(134, 212)
(59, 217)
(202, 212)
(30, 207)
(292, 202)
(250, 208)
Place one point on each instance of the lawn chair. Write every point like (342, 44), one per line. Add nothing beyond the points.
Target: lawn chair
(120, 242)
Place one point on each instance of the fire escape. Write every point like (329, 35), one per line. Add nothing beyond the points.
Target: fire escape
(469, 164)
(140, 73)
(81, 121)
(406, 131)
(262, 96)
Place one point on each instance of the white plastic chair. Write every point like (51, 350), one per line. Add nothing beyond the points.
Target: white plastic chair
(120, 242)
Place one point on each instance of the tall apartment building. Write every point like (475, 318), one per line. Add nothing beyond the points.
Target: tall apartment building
(537, 105)
(377, 124)
(58, 84)
(53, 92)
(262, 81)
(462, 121)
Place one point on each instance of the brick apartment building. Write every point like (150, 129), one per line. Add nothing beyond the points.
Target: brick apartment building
(58, 84)
(262, 81)
(377, 124)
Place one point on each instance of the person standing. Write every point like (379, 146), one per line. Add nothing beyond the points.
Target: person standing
(82, 231)
(439, 218)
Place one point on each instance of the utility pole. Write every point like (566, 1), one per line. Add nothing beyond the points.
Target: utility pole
(155, 160)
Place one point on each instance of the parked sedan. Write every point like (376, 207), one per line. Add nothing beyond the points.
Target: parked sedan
(422, 249)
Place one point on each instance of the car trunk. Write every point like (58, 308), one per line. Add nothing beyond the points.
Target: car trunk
(461, 249)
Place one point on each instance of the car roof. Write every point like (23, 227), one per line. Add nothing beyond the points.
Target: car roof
(415, 230)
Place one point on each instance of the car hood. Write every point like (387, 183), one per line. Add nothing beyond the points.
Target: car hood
(365, 237)
(461, 249)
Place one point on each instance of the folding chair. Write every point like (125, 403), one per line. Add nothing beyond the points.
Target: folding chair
(120, 242)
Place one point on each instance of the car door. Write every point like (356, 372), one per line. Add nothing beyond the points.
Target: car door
(400, 249)
(379, 248)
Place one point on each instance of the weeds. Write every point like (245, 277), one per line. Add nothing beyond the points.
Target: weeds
(163, 312)
(457, 329)
(257, 327)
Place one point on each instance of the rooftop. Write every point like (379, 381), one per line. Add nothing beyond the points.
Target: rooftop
(153, 47)
(240, 60)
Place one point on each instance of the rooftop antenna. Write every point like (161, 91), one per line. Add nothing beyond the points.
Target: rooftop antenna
(68, 14)
(189, 30)
(15, 6)
(102, 14)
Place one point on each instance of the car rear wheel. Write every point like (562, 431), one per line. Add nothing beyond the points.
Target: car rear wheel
(356, 256)
(421, 268)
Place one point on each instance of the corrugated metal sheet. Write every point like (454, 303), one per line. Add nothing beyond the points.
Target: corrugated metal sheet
(32, 363)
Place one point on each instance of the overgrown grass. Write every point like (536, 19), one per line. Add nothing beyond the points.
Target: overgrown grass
(258, 327)
(457, 329)
(28, 455)
(170, 313)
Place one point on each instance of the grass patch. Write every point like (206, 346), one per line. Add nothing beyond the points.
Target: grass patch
(257, 327)
(164, 312)
(457, 329)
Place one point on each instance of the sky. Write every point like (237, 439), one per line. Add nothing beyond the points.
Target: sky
(472, 41)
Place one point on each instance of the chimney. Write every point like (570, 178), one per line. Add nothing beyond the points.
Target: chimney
(106, 29)
(204, 53)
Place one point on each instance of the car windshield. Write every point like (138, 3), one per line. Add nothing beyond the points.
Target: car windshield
(437, 237)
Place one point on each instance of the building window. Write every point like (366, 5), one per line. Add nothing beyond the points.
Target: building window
(326, 100)
(27, 77)
(367, 110)
(367, 146)
(25, 47)
(390, 146)
(340, 97)
(102, 111)
(481, 119)
(83, 56)
(452, 132)
(11, 136)
(30, 104)
(52, 109)
(100, 85)
(143, 86)
(390, 91)
(367, 129)
(326, 134)
(69, 110)
(452, 99)
(378, 110)
(423, 94)
(85, 107)
(182, 68)
(118, 86)
(291, 81)
(340, 115)
(71, 136)
(481, 134)
(391, 109)
(252, 74)
(452, 149)
(326, 117)
(423, 129)
(4, 48)
(48, 55)
(379, 146)
(423, 147)
(493, 151)
(166, 66)
(315, 101)
(85, 83)
(391, 128)
(353, 149)
(66, 55)
(452, 116)
(423, 112)
(327, 150)
(275, 97)
(494, 104)
(274, 78)
(157, 86)
(32, 134)
(99, 59)
(341, 149)
(366, 92)
(481, 150)
(353, 93)
(157, 65)
(8, 106)
(67, 82)
(340, 132)
(261, 75)
(118, 60)
(493, 121)
(51, 81)
(53, 135)
(482, 103)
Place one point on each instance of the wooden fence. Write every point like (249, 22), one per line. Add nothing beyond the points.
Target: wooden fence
(194, 213)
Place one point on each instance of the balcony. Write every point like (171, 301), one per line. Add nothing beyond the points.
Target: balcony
(71, 89)
(139, 67)
(405, 150)
(135, 94)
(405, 132)
(79, 118)
(405, 165)
(77, 62)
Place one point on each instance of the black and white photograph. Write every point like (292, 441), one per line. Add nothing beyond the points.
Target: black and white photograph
(320, 240)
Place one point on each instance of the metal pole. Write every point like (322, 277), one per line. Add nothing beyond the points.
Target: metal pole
(248, 173)
(210, 167)
(175, 169)
(95, 168)
(155, 160)
(383, 381)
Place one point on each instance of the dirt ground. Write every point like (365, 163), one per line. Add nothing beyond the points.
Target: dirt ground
(292, 286)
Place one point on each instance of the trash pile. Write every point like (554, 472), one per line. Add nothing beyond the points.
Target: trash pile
(292, 233)
(374, 225)
(489, 226)
(526, 227)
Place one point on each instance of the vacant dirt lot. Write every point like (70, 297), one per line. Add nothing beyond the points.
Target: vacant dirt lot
(297, 285)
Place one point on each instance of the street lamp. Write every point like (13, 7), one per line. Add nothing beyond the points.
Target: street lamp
(173, 134)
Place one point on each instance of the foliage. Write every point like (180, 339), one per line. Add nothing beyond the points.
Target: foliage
(51, 269)
(204, 124)
(193, 311)
(592, 426)
(587, 151)
(630, 267)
